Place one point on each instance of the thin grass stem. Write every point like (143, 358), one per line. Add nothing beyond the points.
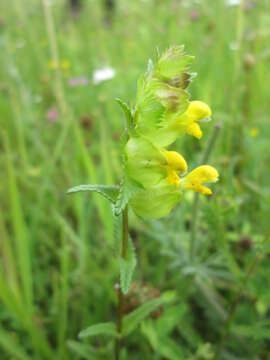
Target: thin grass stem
(195, 207)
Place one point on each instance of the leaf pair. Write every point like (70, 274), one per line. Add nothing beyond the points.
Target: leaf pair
(131, 321)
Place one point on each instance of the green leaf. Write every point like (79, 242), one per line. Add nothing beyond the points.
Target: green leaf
(132, 320)
(128, 115)
(127, 267)
(128, 188)
(170, 350)
(82, 350)
(12, 347)
(108, 328)
(109, 192)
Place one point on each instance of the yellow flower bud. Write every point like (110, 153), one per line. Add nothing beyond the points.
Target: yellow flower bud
(196, 178)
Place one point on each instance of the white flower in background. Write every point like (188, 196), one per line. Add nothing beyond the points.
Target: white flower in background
(233, 2)
(103, 74)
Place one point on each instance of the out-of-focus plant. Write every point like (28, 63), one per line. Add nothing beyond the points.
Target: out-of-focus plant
(154, 177)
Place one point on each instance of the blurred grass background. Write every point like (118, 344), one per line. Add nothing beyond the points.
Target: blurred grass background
(59, 129)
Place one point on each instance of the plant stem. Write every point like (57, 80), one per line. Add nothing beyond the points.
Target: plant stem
(121, 296)
(195, 207)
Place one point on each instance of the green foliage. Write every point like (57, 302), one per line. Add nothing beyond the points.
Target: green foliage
(108, 328)
(132, 320)
(11, 347)
(158, 333)
(82, 350)
(128, 115)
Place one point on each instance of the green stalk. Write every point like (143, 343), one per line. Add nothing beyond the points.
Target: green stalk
(195, 207)
(121, 296)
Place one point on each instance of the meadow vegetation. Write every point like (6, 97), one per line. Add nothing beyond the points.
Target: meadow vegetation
(60, 127)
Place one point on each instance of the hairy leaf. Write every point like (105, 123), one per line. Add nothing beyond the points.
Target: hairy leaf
(128, 188)
(128, 115)
(109, 192)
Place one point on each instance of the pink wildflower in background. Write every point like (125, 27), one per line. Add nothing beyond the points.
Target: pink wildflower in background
(52, 115)
(78, 81)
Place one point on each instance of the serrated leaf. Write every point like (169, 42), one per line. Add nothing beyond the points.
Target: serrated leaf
(128, 115)
(109, 192)
(132, 320)
(127, 267)
(108, 328)
(128, 188)
(173, 62)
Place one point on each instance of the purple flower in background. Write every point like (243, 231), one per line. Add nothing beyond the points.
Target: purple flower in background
(194, 15)
(78, 81)
(52, 114)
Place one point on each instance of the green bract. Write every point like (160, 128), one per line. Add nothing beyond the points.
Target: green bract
(156, 202)
(162, 97)
(145, 163)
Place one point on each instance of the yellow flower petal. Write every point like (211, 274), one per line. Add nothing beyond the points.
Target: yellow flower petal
(194, 130)
(176, 161)
(65, 64)
(253, 132)
(198, 110)
(196, 178)
(173, 178)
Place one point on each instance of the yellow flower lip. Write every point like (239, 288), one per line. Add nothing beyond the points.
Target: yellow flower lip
(175, 161)
(198, 110)
(173, 178)
(196, 178)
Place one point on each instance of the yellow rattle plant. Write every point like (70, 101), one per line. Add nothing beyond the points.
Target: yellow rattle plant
(154, 177)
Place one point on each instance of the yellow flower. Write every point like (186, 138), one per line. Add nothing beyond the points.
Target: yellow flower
(197, 111)
(253, 132)
(65, 64)
(175, 163)
(173, 178)
(148, 165)
(196, 178)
